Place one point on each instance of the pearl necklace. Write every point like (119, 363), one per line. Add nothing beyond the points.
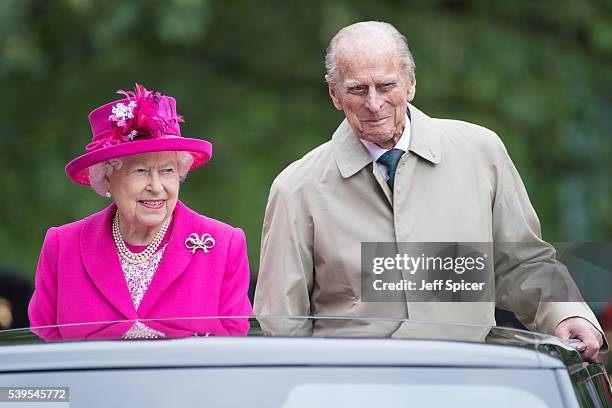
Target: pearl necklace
(137, 257)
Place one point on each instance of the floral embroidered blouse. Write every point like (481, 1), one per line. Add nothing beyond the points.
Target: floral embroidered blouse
(138, 277)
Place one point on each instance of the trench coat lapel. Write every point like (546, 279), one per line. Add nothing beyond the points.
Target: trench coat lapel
(351, 156)
(102, 262)
(175, 260)
(424, 139)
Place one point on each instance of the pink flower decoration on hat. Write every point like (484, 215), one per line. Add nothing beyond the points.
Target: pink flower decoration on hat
(145, 113)
(145, 116)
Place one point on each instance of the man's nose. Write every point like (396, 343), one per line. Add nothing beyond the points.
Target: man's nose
(373, 101)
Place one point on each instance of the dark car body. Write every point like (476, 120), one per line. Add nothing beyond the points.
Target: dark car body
(502, 368)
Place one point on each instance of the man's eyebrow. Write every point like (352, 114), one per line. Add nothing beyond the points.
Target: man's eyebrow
(351, 83)
(389, 80)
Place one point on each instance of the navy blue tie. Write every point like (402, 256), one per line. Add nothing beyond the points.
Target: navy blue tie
(390, 159)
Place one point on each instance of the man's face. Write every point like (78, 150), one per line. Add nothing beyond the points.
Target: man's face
(373, 91)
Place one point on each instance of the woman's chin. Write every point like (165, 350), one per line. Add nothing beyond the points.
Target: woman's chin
(152, 220)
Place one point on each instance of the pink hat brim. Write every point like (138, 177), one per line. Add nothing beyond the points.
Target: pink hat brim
(201, 150)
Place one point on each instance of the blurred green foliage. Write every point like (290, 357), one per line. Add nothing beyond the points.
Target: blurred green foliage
(248, 76)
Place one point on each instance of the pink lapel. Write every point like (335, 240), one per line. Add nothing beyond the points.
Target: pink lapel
(176, 257)
(102, 262)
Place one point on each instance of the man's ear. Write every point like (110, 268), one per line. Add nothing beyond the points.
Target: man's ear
(332, 94)
(411, 89)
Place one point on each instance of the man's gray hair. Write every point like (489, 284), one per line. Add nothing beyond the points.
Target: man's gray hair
(368, 28)
(98, 173)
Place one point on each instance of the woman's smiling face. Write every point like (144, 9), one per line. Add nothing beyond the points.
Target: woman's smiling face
(146, 188)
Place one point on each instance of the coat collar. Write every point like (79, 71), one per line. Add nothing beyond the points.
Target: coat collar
(351, 156)
(102, 262)
(176, 257)
(425, 137)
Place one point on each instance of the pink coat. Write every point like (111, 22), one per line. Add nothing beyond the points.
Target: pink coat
(79, 279)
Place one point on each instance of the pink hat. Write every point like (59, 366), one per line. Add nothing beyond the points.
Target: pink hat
(143, 122)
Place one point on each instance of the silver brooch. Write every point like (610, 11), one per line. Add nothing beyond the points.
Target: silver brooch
(205, 242)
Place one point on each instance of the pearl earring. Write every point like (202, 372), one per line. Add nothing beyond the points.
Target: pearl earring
(107, 194)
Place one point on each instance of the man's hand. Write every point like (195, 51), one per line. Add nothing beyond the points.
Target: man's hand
(590, 338)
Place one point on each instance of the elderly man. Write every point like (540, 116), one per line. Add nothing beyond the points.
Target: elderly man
(391, 173)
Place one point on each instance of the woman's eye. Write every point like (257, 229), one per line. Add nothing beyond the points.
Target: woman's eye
(140, 171)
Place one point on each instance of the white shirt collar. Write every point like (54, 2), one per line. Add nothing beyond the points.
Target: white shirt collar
(402, 144)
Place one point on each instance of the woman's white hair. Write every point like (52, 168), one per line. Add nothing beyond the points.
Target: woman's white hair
(99, 173)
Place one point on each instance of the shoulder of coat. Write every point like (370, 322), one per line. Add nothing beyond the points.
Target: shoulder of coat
(201, 221)
(306, 170)
(77, 226)
(478, 139)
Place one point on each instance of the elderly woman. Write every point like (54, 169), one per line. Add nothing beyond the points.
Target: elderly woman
(145, 256)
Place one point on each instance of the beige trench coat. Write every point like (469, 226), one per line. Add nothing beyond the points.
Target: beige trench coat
(455, 184)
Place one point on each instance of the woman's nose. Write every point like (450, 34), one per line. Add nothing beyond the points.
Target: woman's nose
(155, 184)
